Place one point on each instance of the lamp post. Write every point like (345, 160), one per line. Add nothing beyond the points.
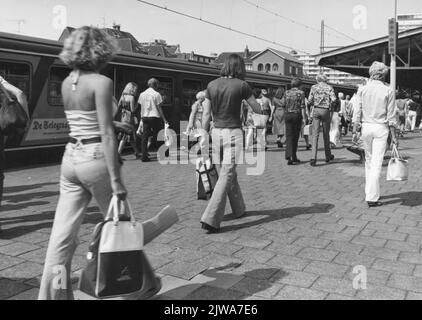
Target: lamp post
(393, 63)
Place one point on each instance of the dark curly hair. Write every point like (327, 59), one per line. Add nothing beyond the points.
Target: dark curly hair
(88, 48)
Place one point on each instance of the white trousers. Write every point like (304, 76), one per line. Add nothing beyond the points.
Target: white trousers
(412, 119)
(335, 130)
(374, 137)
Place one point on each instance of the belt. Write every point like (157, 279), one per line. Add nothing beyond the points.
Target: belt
(85, 141)
(322, 108)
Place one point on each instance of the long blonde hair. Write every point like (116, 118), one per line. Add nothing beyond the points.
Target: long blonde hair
(130, 89)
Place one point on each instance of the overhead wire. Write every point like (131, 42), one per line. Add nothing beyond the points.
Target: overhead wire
(298, 22)
(220, 26)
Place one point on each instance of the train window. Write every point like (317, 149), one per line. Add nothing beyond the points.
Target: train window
(17, 74)
(54, 94)
(165, 88)
(190, 89)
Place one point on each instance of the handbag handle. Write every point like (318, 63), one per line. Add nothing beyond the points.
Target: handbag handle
(113, 210)
(396, 152)
(6, 93)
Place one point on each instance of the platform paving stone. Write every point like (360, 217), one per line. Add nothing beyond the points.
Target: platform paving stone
(317, 254)
(374, 292)
(298, 293)
(10, 288)
(396, 267)
(406, 283)
(305, 230)
(17, 248)
(262, 288)
(326, 268)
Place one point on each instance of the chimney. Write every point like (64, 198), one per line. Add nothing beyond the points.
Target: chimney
(246, 54)
(116, 27)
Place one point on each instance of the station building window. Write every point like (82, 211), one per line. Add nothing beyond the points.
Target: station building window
(17, 74)
(275, 67)
(189, 91)
(55, 79)
(267, 67)
(260, 67)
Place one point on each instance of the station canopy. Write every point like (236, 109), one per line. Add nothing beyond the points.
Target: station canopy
(356, 59)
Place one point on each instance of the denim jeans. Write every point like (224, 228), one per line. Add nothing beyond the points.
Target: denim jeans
(321, 115)
(374, 137)
(84, 174)
(231, 141)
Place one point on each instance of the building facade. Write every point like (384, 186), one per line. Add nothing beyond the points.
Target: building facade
(409, 21)
(277, 62)
(198, 58)
(268, 61)
(311, 69)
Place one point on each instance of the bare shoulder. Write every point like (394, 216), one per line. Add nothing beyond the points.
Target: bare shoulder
(102, 80)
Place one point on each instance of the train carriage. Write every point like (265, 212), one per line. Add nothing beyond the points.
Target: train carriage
(32, 64)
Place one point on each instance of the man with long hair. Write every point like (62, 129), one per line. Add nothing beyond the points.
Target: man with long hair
(223, 99)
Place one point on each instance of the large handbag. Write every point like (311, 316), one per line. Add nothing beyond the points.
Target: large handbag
(260, 120)
(398, 168)
(13, 118)
(206, 178)
(117, 266)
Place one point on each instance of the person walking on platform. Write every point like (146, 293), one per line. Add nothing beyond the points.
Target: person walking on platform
(22, 100)
(402, 111)
(195, 118)
(377, 114)
(127, 109)
(294, 103)
(224, 98)
(321, 97)
(335, 134)
(90, 165)
(279, 128)
(412, 114)
(151, 112)
(265, 103)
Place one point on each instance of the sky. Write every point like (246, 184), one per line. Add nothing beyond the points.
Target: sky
(360, 20)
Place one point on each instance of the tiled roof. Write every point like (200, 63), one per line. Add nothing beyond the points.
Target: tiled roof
(281, 54)
(159, 51)
(126, 41)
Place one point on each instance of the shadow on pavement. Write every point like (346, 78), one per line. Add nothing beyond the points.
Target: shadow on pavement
(409, 199)
(11, 207)
(251, 284)
(17, 198)
(15, 189)
(44, 219)
(273, 215)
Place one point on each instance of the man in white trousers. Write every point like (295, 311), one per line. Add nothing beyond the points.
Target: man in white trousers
(378, 118)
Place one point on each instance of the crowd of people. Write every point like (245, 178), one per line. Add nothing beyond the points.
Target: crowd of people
(91, 163)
